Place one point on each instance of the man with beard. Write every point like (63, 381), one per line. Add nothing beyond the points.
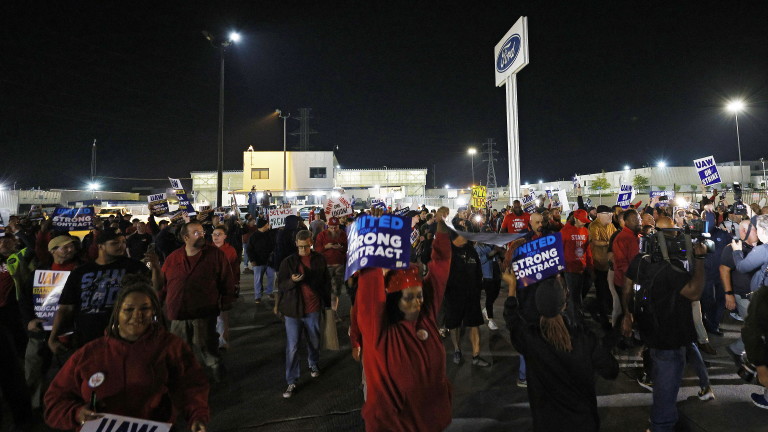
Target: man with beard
(196, 283)
(90, 292)
(332, 243)
(516, 220)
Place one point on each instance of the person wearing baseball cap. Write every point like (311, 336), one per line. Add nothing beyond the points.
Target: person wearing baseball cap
(562, 357)
(578, 260)
(332, 243)
(600, 232)
(403, 354)
(37, 358)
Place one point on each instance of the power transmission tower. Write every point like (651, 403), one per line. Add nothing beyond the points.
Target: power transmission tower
(490, 158)
(304, 130)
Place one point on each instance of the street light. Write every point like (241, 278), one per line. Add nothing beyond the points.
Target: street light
(222, 44)
(661, 164)
(626, 167)
(763, 162)
(285, 119)
(735, 107)
(472, 152)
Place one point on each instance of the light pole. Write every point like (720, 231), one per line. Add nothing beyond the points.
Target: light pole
(285, 173)
(221, 44)
(472, 152)
(763, 162)
(735, 107)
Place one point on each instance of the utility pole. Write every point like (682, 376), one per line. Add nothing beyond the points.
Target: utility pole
(304, 130)
(434, 176)
(93, 160)
(490, 153)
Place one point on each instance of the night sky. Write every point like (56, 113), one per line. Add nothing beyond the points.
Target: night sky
(402, 84)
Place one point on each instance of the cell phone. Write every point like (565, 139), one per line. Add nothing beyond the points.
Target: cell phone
(663, 198)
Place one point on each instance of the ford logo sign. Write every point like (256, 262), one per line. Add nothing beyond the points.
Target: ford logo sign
(508, 53)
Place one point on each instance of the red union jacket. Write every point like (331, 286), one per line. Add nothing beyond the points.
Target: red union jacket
(407, 386)
(578, 255)
(197, 291)
(152, 379)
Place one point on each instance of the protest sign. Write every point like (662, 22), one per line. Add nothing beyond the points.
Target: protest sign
(116, 423)
(220, 214)
(378, 242)
(478, 196)
(575, 182)
(46, 290)
(403, 211)
(277, 216)
(338, 206)
(668, 194)
(707, 170)
(70, 219)
(158, 204)
(625, 196)
(539, 259)
(549, 193)
(176, 184)
(491, 238)
(562, 200)
(529, 202)
(35, 212)
(378, 203)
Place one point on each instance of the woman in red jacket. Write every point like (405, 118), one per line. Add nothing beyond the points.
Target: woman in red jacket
(137, 369)
(404, 358)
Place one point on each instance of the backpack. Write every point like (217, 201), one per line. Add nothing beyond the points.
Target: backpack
(649, 311)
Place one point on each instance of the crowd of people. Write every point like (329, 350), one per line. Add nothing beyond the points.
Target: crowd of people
(155, 296)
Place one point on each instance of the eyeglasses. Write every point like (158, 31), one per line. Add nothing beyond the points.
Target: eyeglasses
(197, 233)
(303, 246)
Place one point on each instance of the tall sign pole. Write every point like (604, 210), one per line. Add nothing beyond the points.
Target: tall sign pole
(511, 55)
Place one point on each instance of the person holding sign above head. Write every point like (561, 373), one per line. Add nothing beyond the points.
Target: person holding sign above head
(138, 369)
(563, 359)
(404, 358)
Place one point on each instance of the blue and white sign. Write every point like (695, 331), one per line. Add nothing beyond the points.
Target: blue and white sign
(402, 211)
(158, 204)
(625, 196)
(112, 422)
(549, 193)
(46, 290)
(71, 219)
(511, 53)
(529, 202)
(378, 242)
(539, 259)
(707, 170)
(378, 203)
(184, 204)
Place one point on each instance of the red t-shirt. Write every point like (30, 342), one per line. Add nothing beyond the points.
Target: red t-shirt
(515, 223)
(311, 300)
(576, 248)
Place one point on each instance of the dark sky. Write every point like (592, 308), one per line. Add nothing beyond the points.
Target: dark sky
(402, 84)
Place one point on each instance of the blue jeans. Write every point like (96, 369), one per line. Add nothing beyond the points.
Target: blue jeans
(694, 358)
(667, 375)
(258, 279)
(521, 370)
(293, 326)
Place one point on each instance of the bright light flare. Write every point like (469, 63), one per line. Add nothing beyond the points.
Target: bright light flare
(661, 164)
(735, 106)
(93, 186)
(626, 167)
(234, 37)
(681, 202)
(447, 186)
(472, 150)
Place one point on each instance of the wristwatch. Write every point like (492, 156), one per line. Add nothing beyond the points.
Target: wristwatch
(729, 293)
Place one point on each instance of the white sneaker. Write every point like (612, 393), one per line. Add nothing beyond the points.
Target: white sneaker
(492, 324)
(289, 391)
(485, 314)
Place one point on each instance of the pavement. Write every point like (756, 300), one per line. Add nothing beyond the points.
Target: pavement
(484, 399)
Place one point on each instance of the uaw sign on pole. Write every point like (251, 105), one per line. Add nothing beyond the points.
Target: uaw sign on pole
(510, 56)
(707, 170)
(625, 196)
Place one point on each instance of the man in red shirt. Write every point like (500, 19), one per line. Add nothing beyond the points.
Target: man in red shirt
(304, 290)
(625, 246)
(332, 243)
(196, 284)
(516, 220)
(578, 259)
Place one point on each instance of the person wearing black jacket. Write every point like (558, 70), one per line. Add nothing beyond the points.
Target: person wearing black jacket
(562, 360)
(260, 247)
(304, 291)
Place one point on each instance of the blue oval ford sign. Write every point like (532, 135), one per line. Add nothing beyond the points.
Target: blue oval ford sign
(508, 53)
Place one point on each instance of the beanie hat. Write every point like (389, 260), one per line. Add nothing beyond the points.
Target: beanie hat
(550, 298)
